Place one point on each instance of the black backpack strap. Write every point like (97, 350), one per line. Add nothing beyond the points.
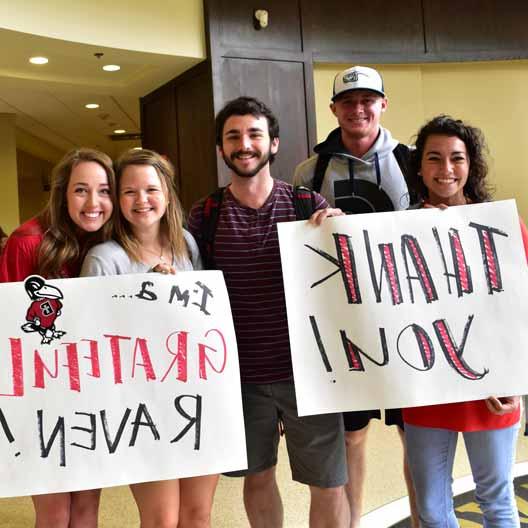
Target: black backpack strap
(304, 202)
(319, 172)
(210, 215)
(402, 153)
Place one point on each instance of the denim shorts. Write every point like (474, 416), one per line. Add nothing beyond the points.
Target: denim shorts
(316, 445)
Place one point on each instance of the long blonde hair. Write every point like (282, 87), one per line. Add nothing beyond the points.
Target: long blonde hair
(171, 222)
(61, 245)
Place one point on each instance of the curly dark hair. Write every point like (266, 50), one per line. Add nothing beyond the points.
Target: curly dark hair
(476, 187)
(244, 106)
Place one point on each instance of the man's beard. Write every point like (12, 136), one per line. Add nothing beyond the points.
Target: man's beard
(264, 159)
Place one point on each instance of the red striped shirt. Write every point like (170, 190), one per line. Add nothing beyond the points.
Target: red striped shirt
(246, 249)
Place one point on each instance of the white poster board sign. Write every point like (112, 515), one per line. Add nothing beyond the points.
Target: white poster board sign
(408, 308)
(115, 380)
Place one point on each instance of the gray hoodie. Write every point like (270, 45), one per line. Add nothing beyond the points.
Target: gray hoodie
(372, 183)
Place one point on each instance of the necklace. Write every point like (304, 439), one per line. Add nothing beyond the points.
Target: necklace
(159, 256)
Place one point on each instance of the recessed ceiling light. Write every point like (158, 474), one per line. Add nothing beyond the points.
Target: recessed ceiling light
(111, 67)
(91, 106)
(38, 60)
(120, 131)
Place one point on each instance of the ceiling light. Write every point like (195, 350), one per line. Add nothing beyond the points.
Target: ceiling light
(38, 60)
(111, 67)
(137, 148)
(91, 106)
(120, 131)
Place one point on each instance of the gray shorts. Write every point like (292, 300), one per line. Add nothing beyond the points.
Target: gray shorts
(316, 444)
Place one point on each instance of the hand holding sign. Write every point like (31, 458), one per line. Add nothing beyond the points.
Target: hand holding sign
(376, 301)
(140, 383)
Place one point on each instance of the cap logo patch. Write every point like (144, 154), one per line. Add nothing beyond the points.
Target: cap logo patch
(353, 76)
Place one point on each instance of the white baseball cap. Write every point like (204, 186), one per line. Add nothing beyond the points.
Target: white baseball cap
(358, 78)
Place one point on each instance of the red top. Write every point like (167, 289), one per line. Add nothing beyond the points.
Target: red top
(463, 416)
(19, 259)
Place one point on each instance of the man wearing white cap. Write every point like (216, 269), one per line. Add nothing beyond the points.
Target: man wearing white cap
(360, 168)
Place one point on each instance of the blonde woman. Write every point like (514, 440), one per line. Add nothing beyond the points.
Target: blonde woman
(149, 236)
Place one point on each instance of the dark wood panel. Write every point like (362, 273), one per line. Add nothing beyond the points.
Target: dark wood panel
(177, 120)
(365, 57)
(159, 125)
(280, 85)
(484, 28)
(364, 26)
(194, 103)
(266, 54)
(232, 26)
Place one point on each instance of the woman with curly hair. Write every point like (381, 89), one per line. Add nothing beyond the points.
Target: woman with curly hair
(149, 236)
(475, 188)
(450, 169)
(53, 245)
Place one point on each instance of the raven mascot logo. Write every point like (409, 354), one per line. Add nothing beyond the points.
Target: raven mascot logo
(44, 309)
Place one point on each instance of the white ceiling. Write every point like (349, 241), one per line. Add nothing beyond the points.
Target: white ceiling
(49, 100)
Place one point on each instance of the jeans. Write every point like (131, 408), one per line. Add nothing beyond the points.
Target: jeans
(491, 454)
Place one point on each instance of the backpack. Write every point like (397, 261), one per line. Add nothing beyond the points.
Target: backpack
(303, 202)
(401, 152)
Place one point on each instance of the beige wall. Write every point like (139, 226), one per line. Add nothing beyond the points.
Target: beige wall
(489, 95)
(33, 175)
(9, 214)
(173, 27)
(37, 147)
